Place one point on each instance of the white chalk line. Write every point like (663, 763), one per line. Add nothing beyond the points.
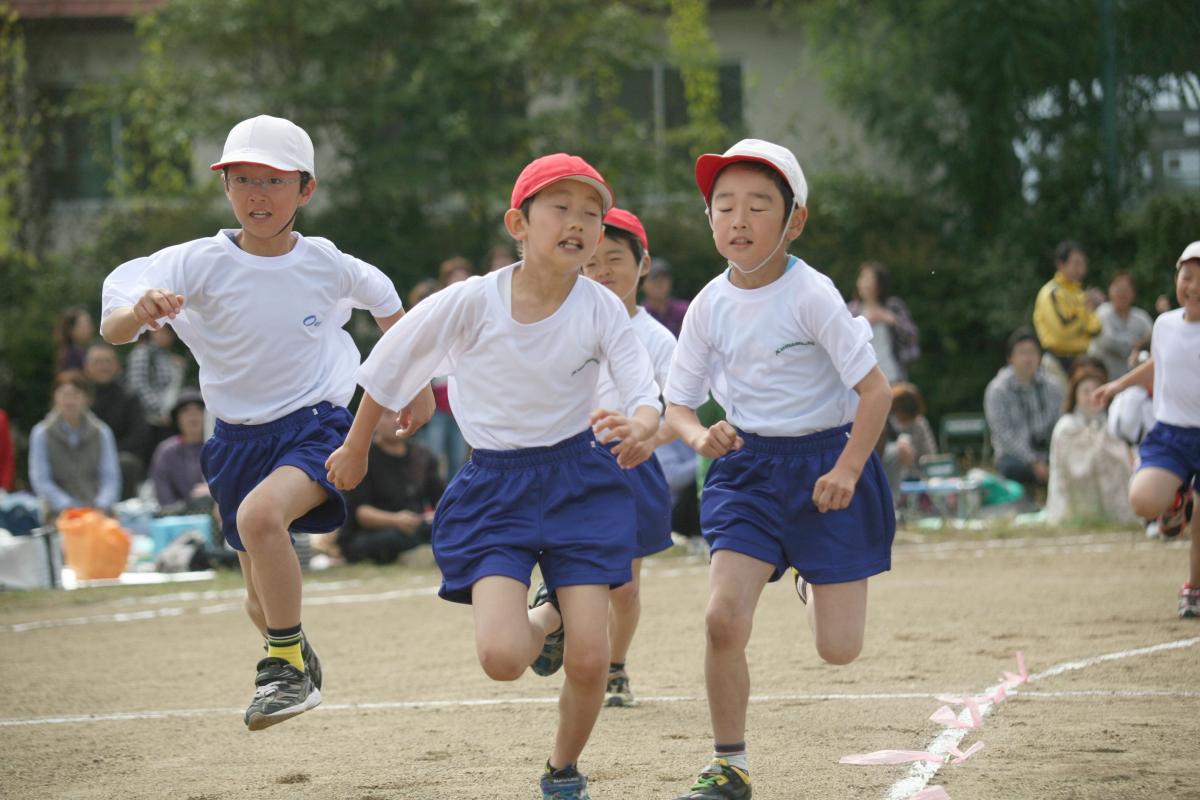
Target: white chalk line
(921, 773)
(418, 705)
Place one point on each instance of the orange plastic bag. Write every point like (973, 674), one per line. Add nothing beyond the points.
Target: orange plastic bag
(95, 546)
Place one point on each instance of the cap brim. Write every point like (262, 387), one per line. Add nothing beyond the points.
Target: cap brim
(709, 164)
(258, 159)
(606, 194)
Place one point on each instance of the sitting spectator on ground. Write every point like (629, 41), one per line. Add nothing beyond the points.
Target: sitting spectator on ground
(657, 299)
(73, 333)
(1089, 467)
(175, 469)
(155, 373)
(895, 337)
(121, 410)
(1064, 315)
(909, 436)
(1021, 406)
(1123, 327)
(390, 512)
(72, 454)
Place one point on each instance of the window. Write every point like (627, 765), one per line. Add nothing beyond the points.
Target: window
(1182, 167)
(655, 95)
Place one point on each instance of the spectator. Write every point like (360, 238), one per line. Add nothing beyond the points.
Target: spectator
(175, 468)
(155, 373)
(1089, 467)
(8, 456)
(1064, 315)
(121, 410)
(391, 510)
(657, 300)
(1021, 406)
(498, 256)
(422, 290)
(909, 436)
(72, 454)
(896, 339)
(73, 333)
(453, 270)
(1123, 327)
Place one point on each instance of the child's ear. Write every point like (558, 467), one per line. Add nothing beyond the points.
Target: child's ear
(516, 224)
(307, 192)
(644, 267)
(796, 224)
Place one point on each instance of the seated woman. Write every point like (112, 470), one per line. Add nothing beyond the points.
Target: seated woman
(1089, 467)
(179, 483)
(72, 454)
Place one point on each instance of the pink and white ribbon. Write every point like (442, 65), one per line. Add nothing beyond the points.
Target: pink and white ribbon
(932, 793)
(887, 757)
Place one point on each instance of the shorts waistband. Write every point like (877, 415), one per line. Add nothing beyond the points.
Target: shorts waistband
(525, 457)
(828, 439)
(227, 430)
(1179, 430)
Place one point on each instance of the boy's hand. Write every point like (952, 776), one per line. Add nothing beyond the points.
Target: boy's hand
(346, 468)
(1103, 395)
(414, 416)
(834, 489)
(717, 440)
(156, 304)
(628, 432)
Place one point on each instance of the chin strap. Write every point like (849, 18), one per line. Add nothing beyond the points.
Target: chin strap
(770, 255)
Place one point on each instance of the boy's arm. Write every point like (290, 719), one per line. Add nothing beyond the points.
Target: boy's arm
(413, 416)
(348, 464)
(1141, 375)
(121, 325)
(711, 442)
(834, 489)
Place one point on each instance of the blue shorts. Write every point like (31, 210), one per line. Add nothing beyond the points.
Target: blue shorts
(758, 501)
(239, 457)
(566, 507)
(653, 498)
(1173, 448)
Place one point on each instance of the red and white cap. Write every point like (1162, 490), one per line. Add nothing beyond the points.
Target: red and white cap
(773, 155)
(627, 221)
(1190, 252)
(541, 172)
(270, 142)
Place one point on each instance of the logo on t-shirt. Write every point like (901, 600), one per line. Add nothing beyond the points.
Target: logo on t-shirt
(311, 321)
(790, 345)
(579, 369)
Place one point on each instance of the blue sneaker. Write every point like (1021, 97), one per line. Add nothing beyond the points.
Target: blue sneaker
(550, 660)
(564, 784)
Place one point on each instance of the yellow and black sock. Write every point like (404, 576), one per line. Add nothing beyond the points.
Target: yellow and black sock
(285, 643)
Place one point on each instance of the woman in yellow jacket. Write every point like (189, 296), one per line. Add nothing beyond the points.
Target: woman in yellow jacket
(1064, 315)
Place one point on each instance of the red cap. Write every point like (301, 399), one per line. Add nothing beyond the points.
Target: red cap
(627, 221)
(775, 156)
(541, 172)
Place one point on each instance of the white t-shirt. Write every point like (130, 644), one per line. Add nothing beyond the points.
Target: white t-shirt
(1175, 346)
(781, 359)
(266, 332)
(660, 345)
(512, 385)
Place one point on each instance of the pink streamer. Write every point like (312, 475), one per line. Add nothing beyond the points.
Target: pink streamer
(946, 717)
(932, 793)
(888, 757)
(1012, 680)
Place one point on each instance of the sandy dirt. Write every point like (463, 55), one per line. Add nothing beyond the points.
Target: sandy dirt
(78, 714)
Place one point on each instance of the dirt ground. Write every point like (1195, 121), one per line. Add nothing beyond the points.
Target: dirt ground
(141, 694)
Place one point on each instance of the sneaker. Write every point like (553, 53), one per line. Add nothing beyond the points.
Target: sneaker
(1189, 602)
(550, 660)
(565, 784)
(720, 781)
(618, 694)
(312, 664)
(283, 692)
(1172, 523)
(801, 587)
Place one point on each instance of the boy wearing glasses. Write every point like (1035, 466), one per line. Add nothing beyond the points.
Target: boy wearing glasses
(262, 309)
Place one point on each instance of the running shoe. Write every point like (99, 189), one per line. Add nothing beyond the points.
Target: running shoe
(1189, 602)
(720, 780)
(618, 694)
(550, 660)
(567, 783)
(1172, 523)
(282, 692)
(312, 664)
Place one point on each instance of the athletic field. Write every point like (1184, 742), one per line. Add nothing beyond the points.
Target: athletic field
(138, 692)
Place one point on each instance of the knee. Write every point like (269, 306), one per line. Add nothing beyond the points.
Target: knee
(586, 662)
(840, 652)
(255, 520)
(626, 597)
(726, 627)
(501, 663)
(1144, 503)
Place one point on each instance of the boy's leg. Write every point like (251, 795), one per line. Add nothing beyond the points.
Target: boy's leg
(736, 582)
(585, 662)
(837, 614)
(624, 614)
(1152, 491)
(252, 605)
(508, 637)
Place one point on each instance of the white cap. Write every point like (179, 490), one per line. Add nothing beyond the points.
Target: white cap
(1189, 252)
(270, 142)
(773, 155)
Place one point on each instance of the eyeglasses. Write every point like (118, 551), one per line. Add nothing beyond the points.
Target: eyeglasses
(243, 183)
